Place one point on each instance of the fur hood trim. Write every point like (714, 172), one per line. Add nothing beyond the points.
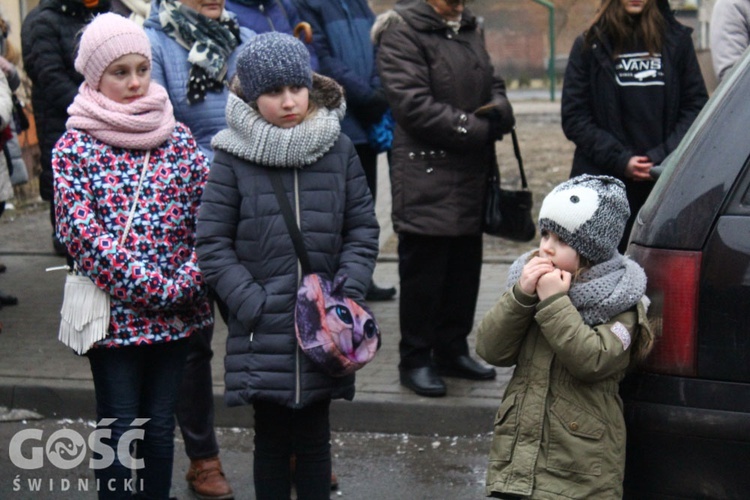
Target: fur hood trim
(382, 23)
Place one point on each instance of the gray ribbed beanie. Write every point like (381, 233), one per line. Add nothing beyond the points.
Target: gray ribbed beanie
(588, 213)
(272, 60)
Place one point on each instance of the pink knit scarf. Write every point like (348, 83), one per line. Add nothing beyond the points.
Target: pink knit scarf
(142, 124)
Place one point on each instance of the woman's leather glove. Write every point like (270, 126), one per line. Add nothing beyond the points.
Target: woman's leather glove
(500, 115)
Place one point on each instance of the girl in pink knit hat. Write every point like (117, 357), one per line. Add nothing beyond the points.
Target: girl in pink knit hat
(128, 181)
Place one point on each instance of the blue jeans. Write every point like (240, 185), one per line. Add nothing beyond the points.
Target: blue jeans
(138, 382)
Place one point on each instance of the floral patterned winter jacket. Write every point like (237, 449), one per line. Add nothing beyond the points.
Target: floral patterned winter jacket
(157, 291)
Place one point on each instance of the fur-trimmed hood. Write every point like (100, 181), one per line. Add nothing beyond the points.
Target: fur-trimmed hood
(419, 15)
(327, 92)
(251, 137)
(382, 23)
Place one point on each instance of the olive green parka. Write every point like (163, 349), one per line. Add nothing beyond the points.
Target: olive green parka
(560, 431)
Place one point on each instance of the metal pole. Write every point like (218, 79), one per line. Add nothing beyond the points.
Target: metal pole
(551, 64)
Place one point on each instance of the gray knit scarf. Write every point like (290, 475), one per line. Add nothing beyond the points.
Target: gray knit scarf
(252, 138)
(601, 292)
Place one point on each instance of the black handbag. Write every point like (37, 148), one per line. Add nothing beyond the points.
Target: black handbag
(507, 213)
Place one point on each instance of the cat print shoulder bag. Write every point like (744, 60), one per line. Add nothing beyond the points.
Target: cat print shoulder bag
(336, 332)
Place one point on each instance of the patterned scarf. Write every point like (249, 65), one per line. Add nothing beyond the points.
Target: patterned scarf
(139, 9)
(601, 292)
(210, 42)
(142, 124)
(252, 138)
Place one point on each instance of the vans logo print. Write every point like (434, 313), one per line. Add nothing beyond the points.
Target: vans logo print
(639, 69)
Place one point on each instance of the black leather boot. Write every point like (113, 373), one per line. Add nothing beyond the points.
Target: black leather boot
(465, 367)
(423, 380)
(375, 293)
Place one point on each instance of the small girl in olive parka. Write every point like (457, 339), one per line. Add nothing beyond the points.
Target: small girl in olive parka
(572, 319)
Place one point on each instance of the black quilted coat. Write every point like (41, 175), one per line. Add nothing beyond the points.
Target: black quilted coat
(590, 108)
(247, 256)
(435, 79)
(49, 41)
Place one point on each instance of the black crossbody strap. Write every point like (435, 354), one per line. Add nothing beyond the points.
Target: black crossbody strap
(291, 223)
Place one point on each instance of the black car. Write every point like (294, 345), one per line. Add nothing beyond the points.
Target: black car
(688, 409)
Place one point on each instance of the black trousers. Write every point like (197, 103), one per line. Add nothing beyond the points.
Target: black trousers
(281, 432)
(195, 399)
(369, 159)
(439, 288)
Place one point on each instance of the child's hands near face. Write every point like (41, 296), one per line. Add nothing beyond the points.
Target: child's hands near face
(532, 271)
(555, 281)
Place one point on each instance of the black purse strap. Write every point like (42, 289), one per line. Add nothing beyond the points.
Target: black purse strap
(495, 169)
(291, 223)
(517, 152)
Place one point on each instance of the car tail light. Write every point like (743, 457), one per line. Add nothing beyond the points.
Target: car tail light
(673, 277)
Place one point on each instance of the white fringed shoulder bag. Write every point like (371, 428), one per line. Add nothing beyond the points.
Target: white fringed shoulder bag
(85, 308)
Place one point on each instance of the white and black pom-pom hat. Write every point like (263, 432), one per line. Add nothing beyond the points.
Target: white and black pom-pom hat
(588, 213)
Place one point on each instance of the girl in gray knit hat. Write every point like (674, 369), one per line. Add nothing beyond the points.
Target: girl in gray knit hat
(572, 320)
(283, 123)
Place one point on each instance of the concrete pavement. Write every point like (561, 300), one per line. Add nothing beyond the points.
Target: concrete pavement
(38, 373)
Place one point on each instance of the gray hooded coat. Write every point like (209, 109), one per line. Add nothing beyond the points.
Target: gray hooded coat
(247, 256)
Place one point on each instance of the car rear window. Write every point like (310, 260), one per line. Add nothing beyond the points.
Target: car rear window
(704, 119)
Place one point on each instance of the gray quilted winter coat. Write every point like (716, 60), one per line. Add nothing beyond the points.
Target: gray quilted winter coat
(247, 256)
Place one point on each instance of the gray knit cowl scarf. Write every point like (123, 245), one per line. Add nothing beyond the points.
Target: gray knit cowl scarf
(252, 138)
(600, 292)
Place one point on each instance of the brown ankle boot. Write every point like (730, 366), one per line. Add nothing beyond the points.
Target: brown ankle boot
(334, 482)
(206, 479)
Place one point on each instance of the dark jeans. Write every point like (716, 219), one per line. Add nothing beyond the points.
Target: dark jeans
(195, 406)
(439, 289)
(281, 431)
(138, 382)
